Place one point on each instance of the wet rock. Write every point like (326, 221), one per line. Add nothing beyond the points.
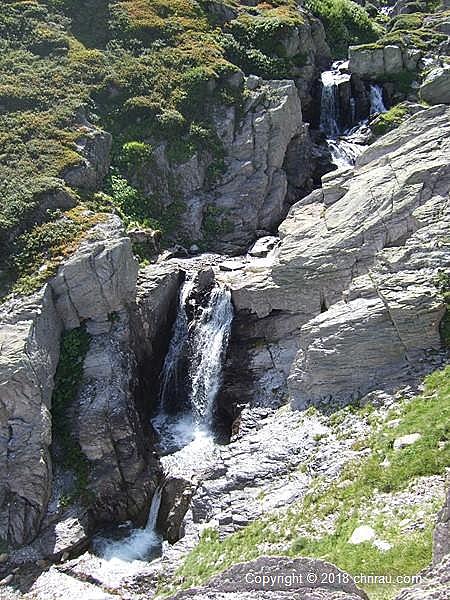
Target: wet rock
(176, 498)
(7, 580)
(67, 533)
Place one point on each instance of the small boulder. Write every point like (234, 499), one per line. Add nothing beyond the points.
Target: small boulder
(263, 246)
(406, 440)
(362, 534)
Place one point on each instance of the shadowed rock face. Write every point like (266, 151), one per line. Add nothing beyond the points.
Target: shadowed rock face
(301, 578)
(350, 301)
(98, 279)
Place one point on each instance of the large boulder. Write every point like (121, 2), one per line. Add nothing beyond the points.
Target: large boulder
(375, 61)
(436, 87)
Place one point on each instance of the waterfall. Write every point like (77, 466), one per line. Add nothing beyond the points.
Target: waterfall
(154, 509)
(344, 145)
(376, 100)
(171, 376)
(192, 371)
(210, 342)
(140, 544)
(329, 104)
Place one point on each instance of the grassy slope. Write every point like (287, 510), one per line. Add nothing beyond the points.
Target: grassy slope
(142, 69)
(352, 501)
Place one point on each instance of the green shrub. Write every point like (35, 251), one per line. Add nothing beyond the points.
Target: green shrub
(68, 377)
(346, 23)
(135, 154)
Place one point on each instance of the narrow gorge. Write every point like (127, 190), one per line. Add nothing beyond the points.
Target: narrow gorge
(225, 296)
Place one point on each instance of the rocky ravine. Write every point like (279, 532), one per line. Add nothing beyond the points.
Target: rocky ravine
(357, 262)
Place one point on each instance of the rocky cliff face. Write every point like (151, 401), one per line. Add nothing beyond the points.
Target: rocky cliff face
(100, 278)
(251, 193)
(354, 279)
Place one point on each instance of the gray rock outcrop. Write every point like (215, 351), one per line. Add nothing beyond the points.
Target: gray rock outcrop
(354, 279)
(251, 194)
(374, 61)
(29, 352)
(98, 279)
(441, 541)
(436, 87)
(94, 146)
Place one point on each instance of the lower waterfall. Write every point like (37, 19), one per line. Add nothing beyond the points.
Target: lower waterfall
(140, 544)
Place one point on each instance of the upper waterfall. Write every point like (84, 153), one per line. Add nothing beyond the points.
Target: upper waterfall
(376, 100)
(345, 138)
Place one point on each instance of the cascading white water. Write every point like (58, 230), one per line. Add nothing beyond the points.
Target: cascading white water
(345, 145)
(329, 104)
(376, 100)
(170, 376)
(140, 544)
(210, 341)
(192, 370)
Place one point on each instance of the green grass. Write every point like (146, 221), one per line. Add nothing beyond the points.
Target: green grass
(350, 504)
(68, 377)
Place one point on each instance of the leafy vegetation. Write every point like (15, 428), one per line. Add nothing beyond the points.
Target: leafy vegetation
(346, 23)
(74, 347)
(349, 500)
